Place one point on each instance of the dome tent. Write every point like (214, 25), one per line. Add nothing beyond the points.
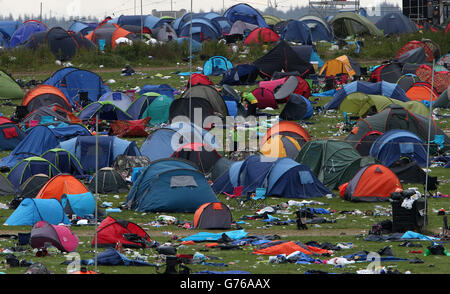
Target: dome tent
(214, 215)
(108, 180)
(59, 236)
(31, 211)
(59, 185)
(9, 87)
(65, 161)
(203, 156)
(28, 167)
(186, 185)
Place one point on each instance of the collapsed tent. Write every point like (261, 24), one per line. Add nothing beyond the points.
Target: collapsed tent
(345, 24)
(213, 215)
(398, 144)
(333, 162)
(186, 185)
(130, 128)
(279, 176)
(241, 74)
(59, 185)
(372, 183)
(59, 236)
(108, 180)
(109, 147)
(49, 115)
(282, 58)
(31, 211)
(112, 231)
(381, 88)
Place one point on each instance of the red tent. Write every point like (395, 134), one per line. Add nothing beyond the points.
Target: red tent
(262, 35)
(111, 231)
(130, 128)
(199, 79)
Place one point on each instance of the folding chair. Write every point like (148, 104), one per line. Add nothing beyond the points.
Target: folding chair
(259, 198)
(237, 194)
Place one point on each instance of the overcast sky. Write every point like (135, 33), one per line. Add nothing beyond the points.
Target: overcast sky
(101, 8)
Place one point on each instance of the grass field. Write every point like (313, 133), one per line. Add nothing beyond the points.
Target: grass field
(347, 228)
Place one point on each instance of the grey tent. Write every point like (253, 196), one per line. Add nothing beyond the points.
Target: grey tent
(6, 188)
(212, 215)
(240, 28)
(109, 181)
(31, 187)
(164, 33)
(443, 101)
(211, 95)
(220, 167)
(414, 56)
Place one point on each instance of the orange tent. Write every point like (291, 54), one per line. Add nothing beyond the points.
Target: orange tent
(372, 183)
(59, 185)
(290, 247)
(110, 32)
(289, 128)
(45, 95)
(339, 65)
(421, 91)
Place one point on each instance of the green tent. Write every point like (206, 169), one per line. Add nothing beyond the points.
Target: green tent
(345, 24)
(333, 162)
(158, 110)
(271, 19)
(361, 104)
(9, 88)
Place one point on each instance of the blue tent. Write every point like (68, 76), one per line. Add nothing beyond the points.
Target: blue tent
(55, 79)
(109, 147)
(106, 110)
(381, 88)
(25, 31)
(119, 99)
(78, 81)
(163, 142)
(29, 167)
(296, 31)
(40, 139)
(64, 161)
(242, 74)
(396, 23)
(282, 177)
(181, 180)
(216, 66)
(196, 46)
(82, 27)
(81, 205)
(32, 210)
(320, 29)
(162, 89)
(7, 29)
(395, 144)
(202, 29)
(245, 13)
(10, 136)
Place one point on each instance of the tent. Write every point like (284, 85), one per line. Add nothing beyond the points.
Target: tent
(443, 101)
(372, 183)
(216, 65)
(186, 185)
(381, 88)
(31, 211)
(45, 95)
(158, 110)
(341, 65)
(281, 177)
(57, 235)
(245, 13)
(396, 23)
(397, 144)
(162, 89)
(406, 81)
(10, 134)
(130, 128)
(271, 19)
(164, 141)
(103, 110)
(361, 105)
(119, 99)
(261, 35)
(110, 33)
(320, 29)
(109, 147)
(63, 44)
(65, 161)
(413, 56)
(345, 24)
(220, 167)
(201, 29)
(413, 45)
(283, 87)
(203, 156)
(8, 87)
(40, 139)
(125, 164)
(213, 215)
(82, 27)
(282, 58)
(440, 79)
(31, 187)
(28, 167)
(50, 115)
(6, 188)
(287, 128)
(199, 79)
(241, 74)
(25, 31)
(281, 146)
(193, 109)
(108, 180)
(297, 108)
(210, 94)
(80, 205)
(396, 117)
(111, 231)
(422, 91)
(164, 33)
(240, 28)
(59, 185)
(265, 98)
(296, 31)
(333, 162)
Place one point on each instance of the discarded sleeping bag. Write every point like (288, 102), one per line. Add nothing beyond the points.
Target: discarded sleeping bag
(59, 236)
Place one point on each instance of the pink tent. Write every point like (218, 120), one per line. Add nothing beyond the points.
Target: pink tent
(57, 235)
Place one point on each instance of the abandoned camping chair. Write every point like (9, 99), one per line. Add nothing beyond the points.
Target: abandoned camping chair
(236, 196)
(254, 200)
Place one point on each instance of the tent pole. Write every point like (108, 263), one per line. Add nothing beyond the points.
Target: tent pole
(96, 189)
(428, 144)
